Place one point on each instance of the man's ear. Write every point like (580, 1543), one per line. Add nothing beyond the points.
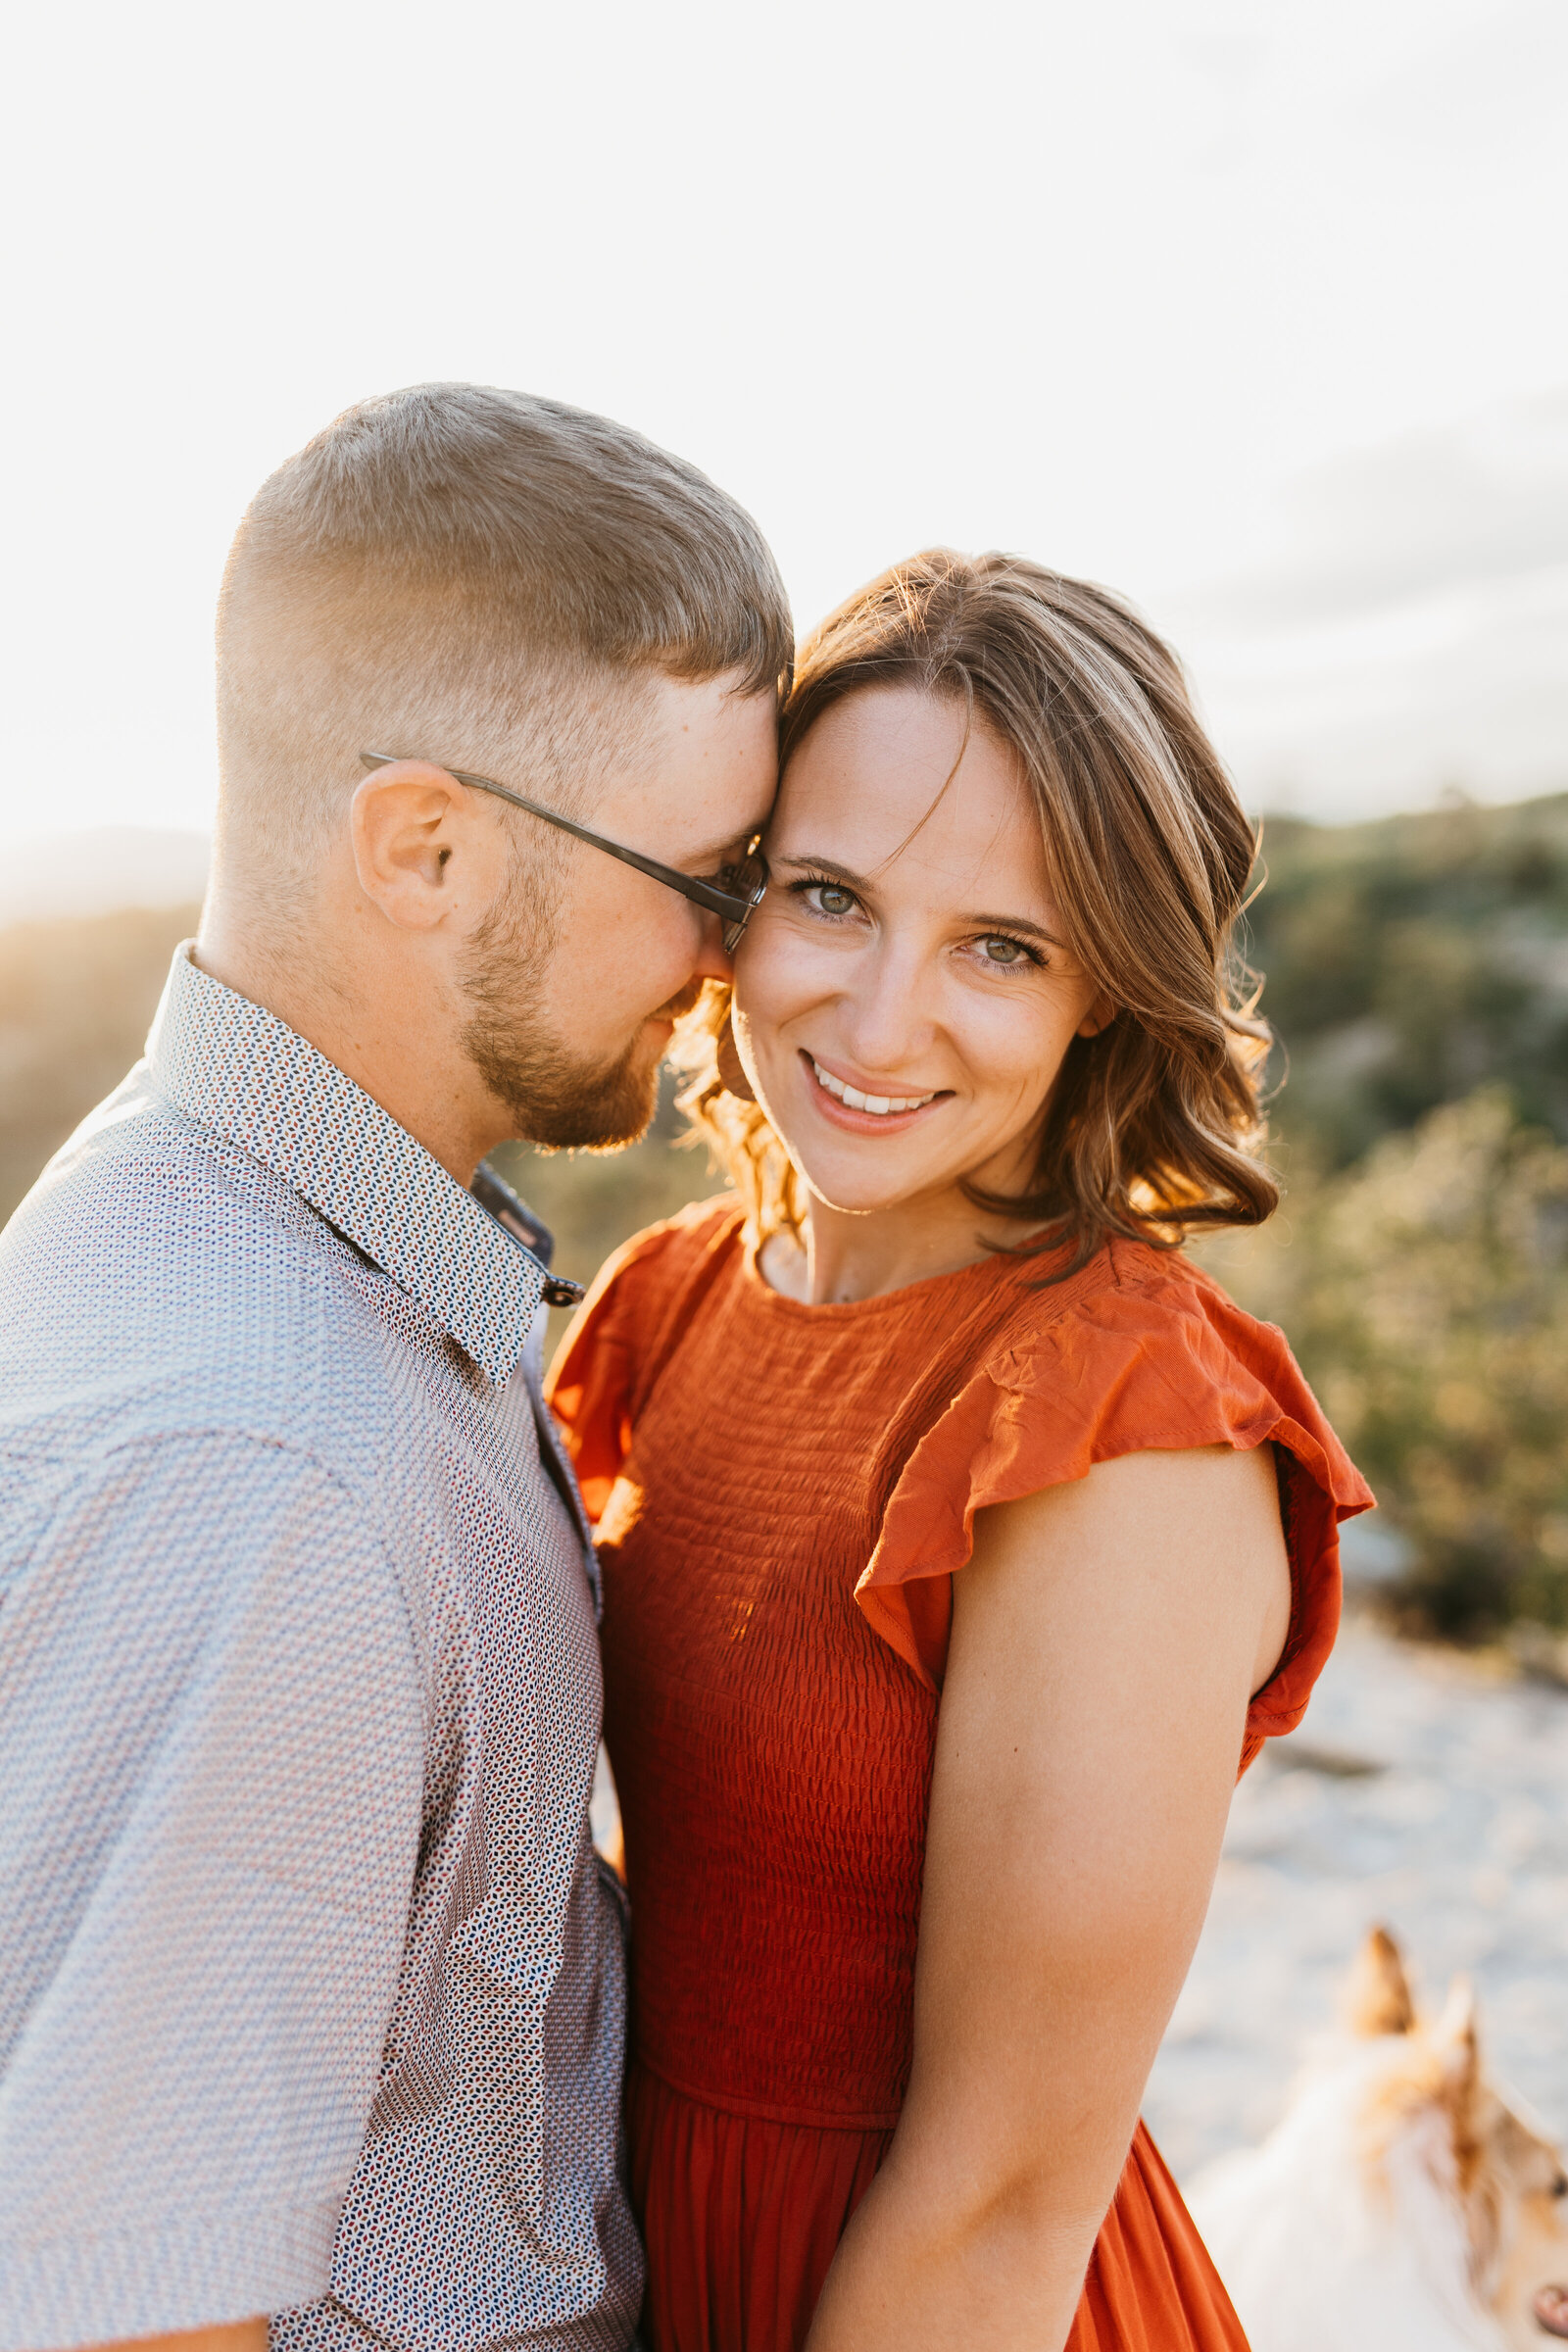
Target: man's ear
(420, 852)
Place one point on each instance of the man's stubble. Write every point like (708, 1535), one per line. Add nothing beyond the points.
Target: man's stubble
(558, 1098)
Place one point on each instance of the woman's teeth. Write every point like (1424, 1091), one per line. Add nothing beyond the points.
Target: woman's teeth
(878, 1104)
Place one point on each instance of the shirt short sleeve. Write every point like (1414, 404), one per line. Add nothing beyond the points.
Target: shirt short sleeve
(212, 1752)
(1161, 1363)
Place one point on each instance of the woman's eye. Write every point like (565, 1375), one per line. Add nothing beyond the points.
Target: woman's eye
(1003, 951)
(828, 899)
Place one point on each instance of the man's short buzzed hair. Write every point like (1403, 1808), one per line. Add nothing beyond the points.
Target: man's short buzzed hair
(478, 577)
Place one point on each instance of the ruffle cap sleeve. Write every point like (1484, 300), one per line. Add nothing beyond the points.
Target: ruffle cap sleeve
(640, 1299)
(1151, 1358)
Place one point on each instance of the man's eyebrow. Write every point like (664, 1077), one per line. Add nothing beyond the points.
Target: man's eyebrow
(834, 871)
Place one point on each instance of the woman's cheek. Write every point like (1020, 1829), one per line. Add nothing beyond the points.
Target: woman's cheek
(1022, 1055)
(778, 976)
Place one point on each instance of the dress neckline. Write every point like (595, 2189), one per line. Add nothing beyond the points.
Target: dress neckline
(929, 1286)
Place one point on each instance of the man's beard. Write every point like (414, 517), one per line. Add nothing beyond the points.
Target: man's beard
(558, 1098)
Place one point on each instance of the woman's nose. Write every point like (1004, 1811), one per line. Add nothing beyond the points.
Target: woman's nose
(883, 1010)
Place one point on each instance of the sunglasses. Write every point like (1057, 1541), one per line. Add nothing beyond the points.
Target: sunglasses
(733, 894)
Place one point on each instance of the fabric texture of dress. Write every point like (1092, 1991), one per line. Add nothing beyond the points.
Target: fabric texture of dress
(783, 1493)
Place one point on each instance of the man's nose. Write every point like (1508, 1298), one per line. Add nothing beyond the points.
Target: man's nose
(713, 962)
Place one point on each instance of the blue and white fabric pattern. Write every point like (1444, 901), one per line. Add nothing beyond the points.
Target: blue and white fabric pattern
(312, 1994)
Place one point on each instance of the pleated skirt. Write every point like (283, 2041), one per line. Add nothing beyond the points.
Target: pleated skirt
(742, 2218)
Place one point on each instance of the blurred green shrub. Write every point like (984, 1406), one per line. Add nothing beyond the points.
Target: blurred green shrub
(1426, 1292)
(1407, 963)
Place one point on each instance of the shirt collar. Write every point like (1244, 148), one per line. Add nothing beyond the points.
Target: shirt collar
(237, 1070)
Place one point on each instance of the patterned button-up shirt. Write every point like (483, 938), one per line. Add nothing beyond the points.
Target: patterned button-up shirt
(311, 1995)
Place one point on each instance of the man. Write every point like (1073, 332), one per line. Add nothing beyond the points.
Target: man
(311, 1993)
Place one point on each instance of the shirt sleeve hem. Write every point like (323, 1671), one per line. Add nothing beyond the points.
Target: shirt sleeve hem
(201, 2270)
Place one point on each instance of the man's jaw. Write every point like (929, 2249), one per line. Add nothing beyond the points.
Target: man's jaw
(561, 1102)
(551, 1094)
(675, 1009)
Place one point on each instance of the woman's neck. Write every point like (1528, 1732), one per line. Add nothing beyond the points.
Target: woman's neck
(843, 1256)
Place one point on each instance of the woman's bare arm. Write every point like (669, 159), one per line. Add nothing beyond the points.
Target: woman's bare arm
(1105, 1638)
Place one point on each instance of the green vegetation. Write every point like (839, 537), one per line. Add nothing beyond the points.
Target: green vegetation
(1425, 1290)
(1417, 975)
(1410, 962)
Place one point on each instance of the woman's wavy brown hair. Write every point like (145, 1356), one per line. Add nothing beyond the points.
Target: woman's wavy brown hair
(1154, 1125)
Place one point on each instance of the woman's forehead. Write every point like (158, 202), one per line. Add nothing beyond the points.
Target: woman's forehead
(894, 776)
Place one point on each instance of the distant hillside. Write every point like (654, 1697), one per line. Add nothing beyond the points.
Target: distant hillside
(76, 1000)
(101, 869)
(1408, 962)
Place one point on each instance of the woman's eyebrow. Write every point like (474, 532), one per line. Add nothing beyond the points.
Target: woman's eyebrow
(821, 866)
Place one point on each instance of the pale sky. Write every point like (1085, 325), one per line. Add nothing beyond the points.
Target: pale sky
(1252, 309)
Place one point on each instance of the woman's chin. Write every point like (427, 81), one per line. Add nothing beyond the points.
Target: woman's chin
(850, 1204)
(856, 1191)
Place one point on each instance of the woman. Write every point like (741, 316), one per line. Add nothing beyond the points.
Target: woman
(960, 1538)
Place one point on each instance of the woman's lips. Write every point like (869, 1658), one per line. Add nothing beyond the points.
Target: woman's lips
(848, 1107)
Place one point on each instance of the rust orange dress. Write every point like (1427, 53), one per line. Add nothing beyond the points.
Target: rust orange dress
(783, 1494)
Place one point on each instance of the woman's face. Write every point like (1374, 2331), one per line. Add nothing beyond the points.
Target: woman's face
(903, 999)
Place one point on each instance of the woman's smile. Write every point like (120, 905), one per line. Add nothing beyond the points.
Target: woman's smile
(846, 1102)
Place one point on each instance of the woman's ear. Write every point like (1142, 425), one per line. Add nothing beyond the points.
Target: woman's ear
(1102, 1012)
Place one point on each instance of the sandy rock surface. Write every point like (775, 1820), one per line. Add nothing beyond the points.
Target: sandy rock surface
(1426, 1790)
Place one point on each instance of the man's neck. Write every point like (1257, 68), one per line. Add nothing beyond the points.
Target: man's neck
(378, 1029)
